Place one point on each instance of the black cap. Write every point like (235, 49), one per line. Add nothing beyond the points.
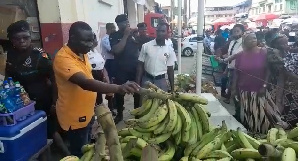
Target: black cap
(142, 25)
(121, 18)
(19, 26)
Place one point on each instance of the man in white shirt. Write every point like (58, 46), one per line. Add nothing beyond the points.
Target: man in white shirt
(106, 51)
(235, 47)
(157, 59)
(97, 63)
(109, 60)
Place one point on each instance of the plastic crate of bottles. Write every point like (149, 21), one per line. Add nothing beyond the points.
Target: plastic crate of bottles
(10, 119)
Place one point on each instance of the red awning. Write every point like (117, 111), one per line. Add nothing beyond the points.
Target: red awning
(268, 16)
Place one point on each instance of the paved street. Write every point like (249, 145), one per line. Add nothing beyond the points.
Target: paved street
(188, 64)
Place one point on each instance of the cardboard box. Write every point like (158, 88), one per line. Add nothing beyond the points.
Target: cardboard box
(2, 63)
(9, 15)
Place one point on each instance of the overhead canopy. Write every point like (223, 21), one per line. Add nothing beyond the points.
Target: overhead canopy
(290, 21)
(267, 16)
(223, 20)
(239, 15)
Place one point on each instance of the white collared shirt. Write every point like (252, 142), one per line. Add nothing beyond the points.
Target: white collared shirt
(96, 60)
(238, 47)
(157, 58)
(106, 48)
(169, 43)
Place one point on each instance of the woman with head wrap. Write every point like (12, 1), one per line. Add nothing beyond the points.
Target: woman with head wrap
(283, 78)
(32, 67)
(257, 113)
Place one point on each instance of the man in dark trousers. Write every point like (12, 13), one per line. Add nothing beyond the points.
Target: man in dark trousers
(125, 48)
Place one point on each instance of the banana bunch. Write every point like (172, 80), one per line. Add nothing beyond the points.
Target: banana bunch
(165, 123)
(70, 158)
(178, 126)
(285, 143)
(89, 153)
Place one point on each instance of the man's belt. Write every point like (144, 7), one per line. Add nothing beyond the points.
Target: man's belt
(154, 77)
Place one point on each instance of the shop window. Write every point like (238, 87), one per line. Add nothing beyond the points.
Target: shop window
(154, 21)
(293, 5)
(281, 6)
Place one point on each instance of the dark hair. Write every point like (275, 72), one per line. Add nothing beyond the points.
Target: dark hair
(121, 18)
(109, 25)
(79, 25)
(242, 27)
(140, 25)
(163, 24)
(268, 37)
(219, 31)
(274, 42)
(19, 26)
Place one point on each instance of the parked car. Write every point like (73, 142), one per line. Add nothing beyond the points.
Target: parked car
(189, 45)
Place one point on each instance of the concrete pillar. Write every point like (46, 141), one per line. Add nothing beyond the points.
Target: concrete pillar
(51, 27)
(132, 13)
(140, 13)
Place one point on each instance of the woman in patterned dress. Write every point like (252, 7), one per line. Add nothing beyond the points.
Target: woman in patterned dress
(257, 112)
(283, 78)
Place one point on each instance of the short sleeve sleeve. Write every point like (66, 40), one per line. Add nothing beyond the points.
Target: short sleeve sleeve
(45, 64)
(172, 58)
(142, 55)
(113, 39)
(106, 44)
(65, 67)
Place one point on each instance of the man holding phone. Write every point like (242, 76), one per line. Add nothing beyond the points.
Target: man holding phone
(126, 51)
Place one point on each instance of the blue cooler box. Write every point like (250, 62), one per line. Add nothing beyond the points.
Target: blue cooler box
(23, 140)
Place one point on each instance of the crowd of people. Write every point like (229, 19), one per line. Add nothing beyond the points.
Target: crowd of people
(70, 86)
(260, 75)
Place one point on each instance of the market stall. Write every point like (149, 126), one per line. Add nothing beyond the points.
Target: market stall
(221, 22)
(263, 19)
(182, 126)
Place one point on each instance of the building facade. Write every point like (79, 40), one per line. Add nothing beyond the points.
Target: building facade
(212, 13)
(280, 7)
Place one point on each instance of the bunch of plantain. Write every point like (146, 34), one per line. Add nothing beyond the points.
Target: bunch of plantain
(178, 126)
(280, 145)
(165, 123)
(91, 153)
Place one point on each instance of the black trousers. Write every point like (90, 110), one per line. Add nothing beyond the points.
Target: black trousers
(77, 138)
(121, 78)
(98, 75)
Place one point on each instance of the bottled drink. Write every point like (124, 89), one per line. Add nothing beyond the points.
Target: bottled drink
(24, 96)
(8, 91)
(8, 101)
(2, 108)
(18, 102)
(5, 83)
(10, 82)
(17, 89)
